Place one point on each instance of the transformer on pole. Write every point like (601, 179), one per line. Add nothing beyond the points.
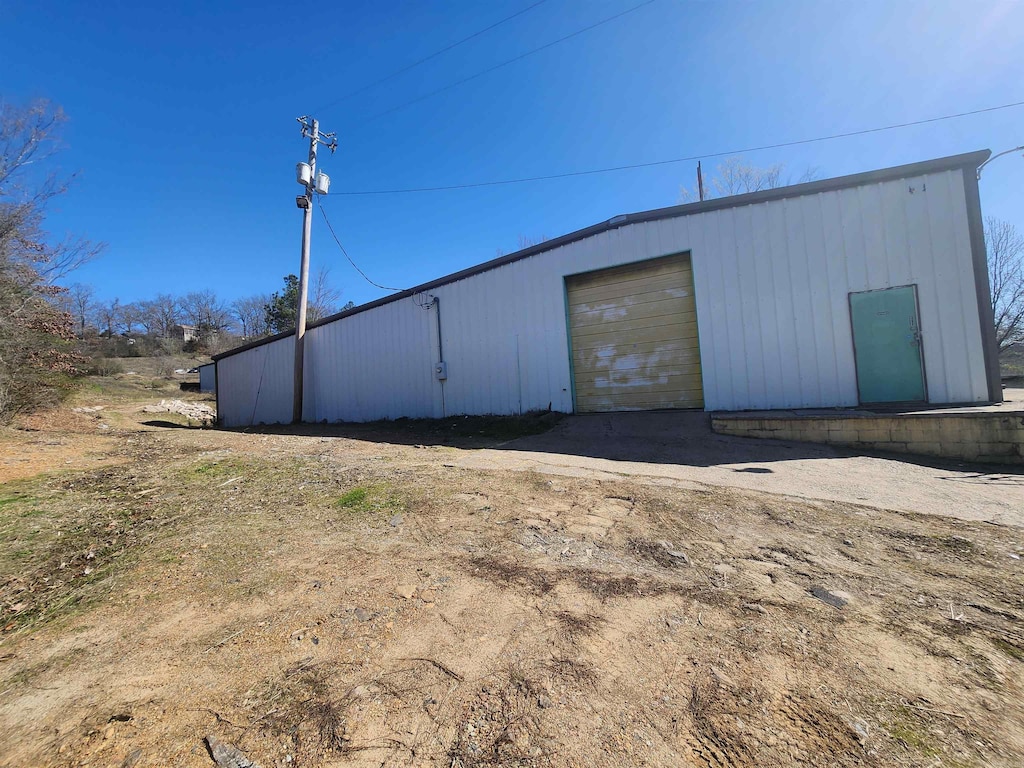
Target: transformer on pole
(318, 183)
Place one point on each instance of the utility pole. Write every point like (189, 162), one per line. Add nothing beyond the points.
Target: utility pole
(700, 182)
(306, 174)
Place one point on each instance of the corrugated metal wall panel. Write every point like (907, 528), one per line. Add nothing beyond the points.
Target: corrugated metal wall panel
(771, 282)
(255, 386)
(375, 365)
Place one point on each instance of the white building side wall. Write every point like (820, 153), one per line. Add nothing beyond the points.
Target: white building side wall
(771, 281)
(255, 386)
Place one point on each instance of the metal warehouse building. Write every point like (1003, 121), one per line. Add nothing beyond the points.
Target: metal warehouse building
(871, 288)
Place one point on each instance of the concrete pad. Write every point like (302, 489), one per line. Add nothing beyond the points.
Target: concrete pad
(679, 448)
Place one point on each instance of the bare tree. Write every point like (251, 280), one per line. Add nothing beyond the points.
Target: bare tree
(131, 315)
(28, 137)
(524, 242)
(79, 303)
(735, 176)
(36, 361)
(161, 315)
(323, 297)
(1006, 280)
(108, 316)
(251, 313)
(206, 312)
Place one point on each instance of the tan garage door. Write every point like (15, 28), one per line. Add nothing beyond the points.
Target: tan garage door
(634, 337)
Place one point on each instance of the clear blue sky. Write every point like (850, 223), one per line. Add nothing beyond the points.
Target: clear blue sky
(182, 118)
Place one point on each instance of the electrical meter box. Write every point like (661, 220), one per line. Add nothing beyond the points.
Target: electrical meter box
(441, 371)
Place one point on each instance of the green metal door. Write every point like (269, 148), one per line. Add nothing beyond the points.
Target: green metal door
(887, 345)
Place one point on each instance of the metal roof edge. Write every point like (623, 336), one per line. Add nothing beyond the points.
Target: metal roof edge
(951, 162)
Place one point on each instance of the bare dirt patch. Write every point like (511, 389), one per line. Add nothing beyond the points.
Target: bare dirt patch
(345, 600)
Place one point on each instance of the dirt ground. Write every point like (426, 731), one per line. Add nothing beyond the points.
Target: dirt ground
(377, 596)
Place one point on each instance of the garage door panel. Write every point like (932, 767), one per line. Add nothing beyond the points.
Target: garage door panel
(643, 338)
(663, 381)
(627, 272)
(600, 402)
(620, 330)
(638, 288)
(599, 362)
(637, 401)
(634, 337)
(638, 372)
(626, 309)
(668, 350)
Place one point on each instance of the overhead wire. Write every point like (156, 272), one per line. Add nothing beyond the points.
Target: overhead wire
(505, 63)
(690, 158)
(425, 59)
(350, 261)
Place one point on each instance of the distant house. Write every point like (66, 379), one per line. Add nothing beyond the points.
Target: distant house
(189, 333)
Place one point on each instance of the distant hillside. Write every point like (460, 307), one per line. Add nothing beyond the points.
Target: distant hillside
(1011, 361)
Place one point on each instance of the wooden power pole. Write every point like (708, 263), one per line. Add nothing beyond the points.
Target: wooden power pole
(307, 176)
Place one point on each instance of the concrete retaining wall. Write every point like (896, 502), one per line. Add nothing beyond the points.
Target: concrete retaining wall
(982, 437)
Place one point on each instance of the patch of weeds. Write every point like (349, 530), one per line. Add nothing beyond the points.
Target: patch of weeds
(79, 531)
(309, 713)
(573, 626)
(1011, 650)
(905, 727)
(651, 552)
(948, 544)
(539, 581)
(10, 500)
(506, 573)
(371, 502)
(503, 725)
(578, 673)
(354, 498)
(604, 586)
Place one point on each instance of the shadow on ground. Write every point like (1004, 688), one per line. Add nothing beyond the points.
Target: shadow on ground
(654, 437)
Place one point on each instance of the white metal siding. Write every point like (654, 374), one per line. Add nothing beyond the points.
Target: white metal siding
(255, 386)
(374, 365)
(771, 281)
(208, 377)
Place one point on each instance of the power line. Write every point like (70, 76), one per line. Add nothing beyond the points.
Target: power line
(342, 247)
(691, 158)
(520, 57)
(425, 59)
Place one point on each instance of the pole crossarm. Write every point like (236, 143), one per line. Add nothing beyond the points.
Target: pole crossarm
(310, 131)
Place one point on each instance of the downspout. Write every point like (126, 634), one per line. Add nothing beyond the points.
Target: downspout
(440, 351)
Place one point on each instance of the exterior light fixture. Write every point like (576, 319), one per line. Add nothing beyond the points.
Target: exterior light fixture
(1000, 154)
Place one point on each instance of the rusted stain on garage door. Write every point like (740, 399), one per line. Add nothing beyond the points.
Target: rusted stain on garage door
(634, 337)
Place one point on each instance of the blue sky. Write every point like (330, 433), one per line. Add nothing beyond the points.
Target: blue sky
(182, 119)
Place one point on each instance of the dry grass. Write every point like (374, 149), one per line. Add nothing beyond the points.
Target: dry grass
(252, 584)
